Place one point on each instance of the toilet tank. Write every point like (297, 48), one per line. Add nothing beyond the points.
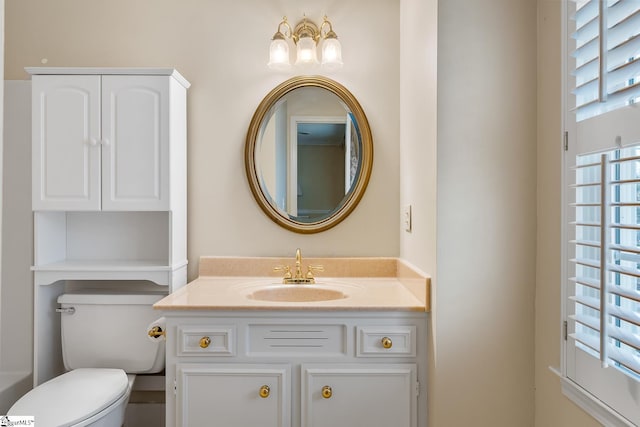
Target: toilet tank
(101, 330)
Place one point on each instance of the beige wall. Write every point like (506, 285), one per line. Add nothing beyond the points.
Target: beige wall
(484, 364)
(418, 159)
(418, 112)
(222, 49)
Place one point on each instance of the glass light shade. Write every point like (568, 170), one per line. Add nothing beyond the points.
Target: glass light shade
(306, 51)
(279, 55)
(331, 53)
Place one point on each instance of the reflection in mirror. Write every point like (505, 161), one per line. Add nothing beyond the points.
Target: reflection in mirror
(306, 160)
(324, 165)
(308, 154)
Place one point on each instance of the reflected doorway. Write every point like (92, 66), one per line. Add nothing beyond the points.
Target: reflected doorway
(320, 183)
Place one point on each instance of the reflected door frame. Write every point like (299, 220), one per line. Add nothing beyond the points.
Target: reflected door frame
(292, 170)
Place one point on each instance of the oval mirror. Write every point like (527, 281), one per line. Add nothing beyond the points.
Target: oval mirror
(308, 154)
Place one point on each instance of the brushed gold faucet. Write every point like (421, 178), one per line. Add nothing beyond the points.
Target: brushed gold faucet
(298, 274)
(296, 277)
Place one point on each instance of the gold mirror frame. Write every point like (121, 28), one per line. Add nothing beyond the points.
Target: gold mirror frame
(354, 196)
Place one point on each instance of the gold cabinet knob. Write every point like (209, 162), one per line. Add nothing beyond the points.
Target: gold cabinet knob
(264, 391)
(386, 342)
(204, 342)
(327, 392)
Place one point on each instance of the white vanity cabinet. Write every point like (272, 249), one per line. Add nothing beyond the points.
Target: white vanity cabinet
(321, 369)
(103, 142)
(109, 182)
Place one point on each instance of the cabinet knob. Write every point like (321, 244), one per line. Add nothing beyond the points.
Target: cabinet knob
(327, 392)
(386, 342)
(105, 142)
(264, 391)
(204, 342)
(93, 142)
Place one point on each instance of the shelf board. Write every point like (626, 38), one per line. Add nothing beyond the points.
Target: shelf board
(107, 265)
(155, 271)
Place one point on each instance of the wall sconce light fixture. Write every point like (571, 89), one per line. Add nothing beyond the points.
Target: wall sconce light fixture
(305, 36)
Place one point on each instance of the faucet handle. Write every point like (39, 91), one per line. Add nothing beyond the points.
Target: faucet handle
(312, 268)
(286, 269)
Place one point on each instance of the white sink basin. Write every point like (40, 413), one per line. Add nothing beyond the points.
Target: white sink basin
(296, 293)
(270, 291)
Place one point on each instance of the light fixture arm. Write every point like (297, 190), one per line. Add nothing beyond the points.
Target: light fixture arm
(282, 35)
(305, 28)
(327, 34)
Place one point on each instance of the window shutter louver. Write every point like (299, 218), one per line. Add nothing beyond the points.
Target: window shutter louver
(607, 56)
(607, 258)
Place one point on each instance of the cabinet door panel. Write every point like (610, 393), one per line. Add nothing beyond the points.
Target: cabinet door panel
(229, 395)
(135, 149)
(65, 135)
(360, 396)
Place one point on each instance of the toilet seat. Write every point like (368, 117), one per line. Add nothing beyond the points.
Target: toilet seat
(73, 397)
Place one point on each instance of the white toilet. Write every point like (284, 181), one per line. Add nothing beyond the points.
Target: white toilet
(104, 344)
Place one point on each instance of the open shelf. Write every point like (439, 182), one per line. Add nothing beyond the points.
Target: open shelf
(106, 246)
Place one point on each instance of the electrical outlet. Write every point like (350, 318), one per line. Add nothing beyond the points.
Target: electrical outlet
(406, 218)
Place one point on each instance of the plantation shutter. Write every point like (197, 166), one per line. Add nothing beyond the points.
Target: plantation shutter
(607, 258)
(603, 173)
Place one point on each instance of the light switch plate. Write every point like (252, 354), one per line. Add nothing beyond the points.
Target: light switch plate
(406, 218)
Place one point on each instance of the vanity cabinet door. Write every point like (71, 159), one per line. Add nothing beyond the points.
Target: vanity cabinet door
(66, 142)
(359, 395)
(233, 395)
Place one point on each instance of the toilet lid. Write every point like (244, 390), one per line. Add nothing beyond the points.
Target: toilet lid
(72, 397)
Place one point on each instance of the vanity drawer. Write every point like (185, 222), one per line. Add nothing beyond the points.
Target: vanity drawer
(296, 339)
(386, 341)
(206, 340)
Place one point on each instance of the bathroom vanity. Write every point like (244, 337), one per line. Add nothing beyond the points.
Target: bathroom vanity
(247, 350)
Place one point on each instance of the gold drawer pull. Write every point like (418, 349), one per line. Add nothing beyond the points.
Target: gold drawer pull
(264, 391)
(327, 392)
(386, 342)
(204, 342)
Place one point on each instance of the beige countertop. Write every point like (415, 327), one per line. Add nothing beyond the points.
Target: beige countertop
(368, 283)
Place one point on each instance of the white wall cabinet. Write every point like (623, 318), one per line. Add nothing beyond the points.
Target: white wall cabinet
(109, 186)
(103, 142)
(313, 364)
